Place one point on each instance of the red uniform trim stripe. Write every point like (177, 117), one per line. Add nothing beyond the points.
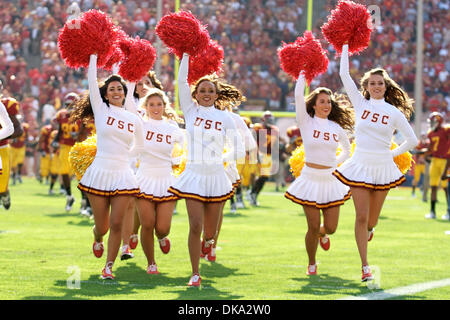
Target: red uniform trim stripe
(201, 198)
(315, 204)
(131, 192)
(362, 184)
(157, 199)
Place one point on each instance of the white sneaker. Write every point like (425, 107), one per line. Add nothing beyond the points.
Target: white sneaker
(446, 216)
(431, 215)
(240, 205)
(233, 208)
(69, 202)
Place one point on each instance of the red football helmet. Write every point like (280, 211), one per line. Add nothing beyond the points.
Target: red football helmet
(435, 119)
(70, 98)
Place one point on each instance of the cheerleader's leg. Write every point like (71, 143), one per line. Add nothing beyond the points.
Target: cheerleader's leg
(119, 206)
(195, 211)
(376, 204)
(312, 235)
(147, 214)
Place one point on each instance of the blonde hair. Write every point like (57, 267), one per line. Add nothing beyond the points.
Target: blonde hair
(394, 94)
(169, 112)
(341, 111)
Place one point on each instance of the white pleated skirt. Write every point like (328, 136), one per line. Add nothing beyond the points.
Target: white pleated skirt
(318, 188)
(203, 182)
(233, 174)
(109, 177)
(370, 170)
(154, 183)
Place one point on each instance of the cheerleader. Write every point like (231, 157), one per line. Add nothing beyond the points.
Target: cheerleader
(7, 127)
(204, 183)
(155, 204)
(231, 167)
(381, 108)
(322, 122)
(109, 181)
(131, 223)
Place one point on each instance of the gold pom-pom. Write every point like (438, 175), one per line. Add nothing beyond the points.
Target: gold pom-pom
(403, 161)
(297, 159)
(179, 152)
(82, 154)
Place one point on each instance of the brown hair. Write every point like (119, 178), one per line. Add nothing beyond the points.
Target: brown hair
(228, 95)
(341, 111)
(82, 108)
(394, 94)
(155, 82)
(169, 112)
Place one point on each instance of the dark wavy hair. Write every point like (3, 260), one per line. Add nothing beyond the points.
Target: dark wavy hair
(82, 109)
(228, 95)
(341, 110)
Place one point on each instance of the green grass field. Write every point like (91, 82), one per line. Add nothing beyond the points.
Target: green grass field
(261, 254)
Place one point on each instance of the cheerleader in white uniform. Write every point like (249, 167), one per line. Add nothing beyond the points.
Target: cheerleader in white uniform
(131, 223)
(380, 109)
(109, 181)
(322, 121)
(155, 204)
(7, 127)
(204, 183)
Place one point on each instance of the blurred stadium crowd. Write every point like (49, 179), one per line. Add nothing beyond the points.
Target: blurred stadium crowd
(250, 32)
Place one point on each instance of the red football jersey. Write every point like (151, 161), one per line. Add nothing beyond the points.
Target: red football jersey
(19, 142)
(265, 137)
(67, 128)
(440, 142)
(44, 138)
(12, 107)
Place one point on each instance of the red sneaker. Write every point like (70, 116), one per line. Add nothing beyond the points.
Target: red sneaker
(152, 269)
(107, 273)
(134, 240)
(371, 234)
(206, 246)
(195, 280)
(312, 270)
(126, 253)
(211, 256)
(366, 274)
(98, 249)
(164, 244)
(325, 242)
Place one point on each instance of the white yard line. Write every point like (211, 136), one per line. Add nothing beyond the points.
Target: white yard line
(401, 291)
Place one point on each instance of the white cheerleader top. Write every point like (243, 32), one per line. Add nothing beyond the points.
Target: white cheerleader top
(207, 128)
(7, 127)
(375, 120)
(321, 137)
(119, 132)
(159, 136)
(244, 131)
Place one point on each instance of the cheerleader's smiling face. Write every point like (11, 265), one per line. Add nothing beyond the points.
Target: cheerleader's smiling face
(322, 108)
(206, 94)
(143, 85)
(115, 93)
(155, 107)
(376, 86)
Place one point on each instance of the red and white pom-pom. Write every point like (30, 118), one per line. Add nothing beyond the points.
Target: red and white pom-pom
(349, 22)
(305, 54)
(182, 32)
(139, 57)
(91, 33)
(206, 63)
(117, 54)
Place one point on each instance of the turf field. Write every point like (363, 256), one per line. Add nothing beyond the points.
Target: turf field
(261, 256)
